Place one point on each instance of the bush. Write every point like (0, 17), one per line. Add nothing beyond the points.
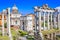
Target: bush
(22, 33)
(30, 37)
(14, 34)
(14, 37)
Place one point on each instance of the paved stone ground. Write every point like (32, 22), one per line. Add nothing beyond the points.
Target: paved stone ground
(22, 38)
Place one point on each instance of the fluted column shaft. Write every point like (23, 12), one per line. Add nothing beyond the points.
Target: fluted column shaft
(44, 20)
(59, 21)
(9, 30)
(3, 24)
(48, 21)
(39, 13)
(55, 21)
(51, 21)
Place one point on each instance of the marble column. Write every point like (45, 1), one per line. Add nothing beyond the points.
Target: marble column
(48, 28)
(48, 21)
(51, 26)
(39, 21)
(44, 20)
(9, 30)
(51, 36)
(55, 21)
(35, 28)
(3, 23)
(51, 20)
(54, 36)
(58, 21)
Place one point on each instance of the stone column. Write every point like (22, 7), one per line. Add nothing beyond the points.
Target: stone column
(48, 21)
(58, 21)
(44, 20)
(3, 23)
(39, 21)
(51, 20)
(51, 36)
(55, 21)
(35, 22)
(48, 25)
(54, 36)
(51, 26)
(35, 28)
(9, 30)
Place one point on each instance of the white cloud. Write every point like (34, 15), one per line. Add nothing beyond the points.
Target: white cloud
(58, 8)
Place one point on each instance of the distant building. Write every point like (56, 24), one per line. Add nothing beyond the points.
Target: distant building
(1, 19)
(30, 22)
(15, 17)
(27, 22)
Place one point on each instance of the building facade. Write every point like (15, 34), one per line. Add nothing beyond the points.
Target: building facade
(27, 22)
(15, 16)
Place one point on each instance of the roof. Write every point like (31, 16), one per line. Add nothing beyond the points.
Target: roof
(14, 7)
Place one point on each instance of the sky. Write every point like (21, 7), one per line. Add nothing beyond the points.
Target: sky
(26, 6)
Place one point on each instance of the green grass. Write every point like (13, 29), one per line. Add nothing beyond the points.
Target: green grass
(58, 38)
(50, 31)
(4, 38)
(14, 33)
(18, 33)
(23, 33)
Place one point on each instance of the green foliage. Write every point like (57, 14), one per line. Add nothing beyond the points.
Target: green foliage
(30, 37)
(4, 38)
(14, 37)
(22, 33)
(18, 33)
(14, 33)
(48, 31)
(57, 37)
(0, 34)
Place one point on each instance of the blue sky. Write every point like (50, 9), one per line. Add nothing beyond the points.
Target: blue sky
(26, 6)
